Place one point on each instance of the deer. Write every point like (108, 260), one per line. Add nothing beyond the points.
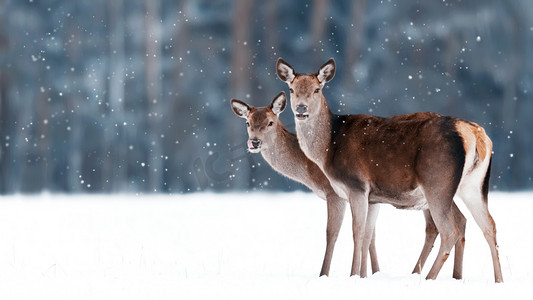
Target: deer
(408, 162)
(280, 149)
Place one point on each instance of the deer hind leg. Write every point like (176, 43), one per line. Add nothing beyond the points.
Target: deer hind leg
(476, 202)
(431, 235)
(440, 200)
(373, 253)
(368, 240)
(460, 220)
(336, 210)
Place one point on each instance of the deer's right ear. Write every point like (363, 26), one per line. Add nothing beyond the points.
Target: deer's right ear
(279, 103)
(240, 108)
(285, 71)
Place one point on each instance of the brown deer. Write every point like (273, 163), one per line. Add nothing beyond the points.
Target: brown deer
(279, 147)
(407, 162)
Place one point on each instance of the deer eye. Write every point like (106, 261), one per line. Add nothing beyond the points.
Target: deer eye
(316, 91)
(247, 124)
(291, 90)
(271, 123)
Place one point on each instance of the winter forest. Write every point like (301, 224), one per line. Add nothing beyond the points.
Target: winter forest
(133, 96)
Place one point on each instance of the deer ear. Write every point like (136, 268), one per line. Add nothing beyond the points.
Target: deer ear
(285, 71)
(240, 108)
(279, 103)
(326, 72)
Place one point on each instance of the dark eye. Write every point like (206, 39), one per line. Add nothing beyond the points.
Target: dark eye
(271, 123)
(291, 90)
(316, 91)
(247, 124)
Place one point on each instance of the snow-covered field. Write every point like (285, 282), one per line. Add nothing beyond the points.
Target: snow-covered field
(238, 246)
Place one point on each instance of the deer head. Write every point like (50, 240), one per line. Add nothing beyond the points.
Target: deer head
(261, 122)
(306, 89)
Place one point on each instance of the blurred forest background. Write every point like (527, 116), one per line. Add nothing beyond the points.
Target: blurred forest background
(133, 96)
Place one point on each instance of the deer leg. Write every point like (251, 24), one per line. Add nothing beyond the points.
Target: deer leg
(490, 236)
(449, 234)
(359, 208)
(460, 220)
(373, 253)
(336, 210)
(440, 200)
(477, 204)
(431, 235)
(372, 215)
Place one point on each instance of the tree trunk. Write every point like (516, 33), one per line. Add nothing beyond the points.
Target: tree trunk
(354, 39)
(153, 93)
(116, 166)
(241, 74)
(318, 27)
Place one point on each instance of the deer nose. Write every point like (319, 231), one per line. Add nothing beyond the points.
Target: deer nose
(256, 143)
(301, 109)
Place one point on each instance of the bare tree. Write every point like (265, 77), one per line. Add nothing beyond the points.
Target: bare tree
(241, 61)
(318, 27)
(354, 38)
(242, 57)
(152, 35)
(116, 152)
(271, 37)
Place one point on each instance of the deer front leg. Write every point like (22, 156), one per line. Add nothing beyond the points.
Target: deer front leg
(369, 239)
(336, 209)
(359, 207)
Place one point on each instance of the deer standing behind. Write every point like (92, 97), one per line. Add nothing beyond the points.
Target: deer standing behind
(406, 162)
(279, 147)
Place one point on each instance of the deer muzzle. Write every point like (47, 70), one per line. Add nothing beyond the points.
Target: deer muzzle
(301, 112)
(254, 145)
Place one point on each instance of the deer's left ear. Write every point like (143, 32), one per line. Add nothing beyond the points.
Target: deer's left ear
(326, 72)
(279, 103)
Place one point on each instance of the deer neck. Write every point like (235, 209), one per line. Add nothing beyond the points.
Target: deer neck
(314, 135)
(282, 149)
(285, 156)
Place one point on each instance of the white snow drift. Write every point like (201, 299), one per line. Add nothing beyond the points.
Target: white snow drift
(237, 246)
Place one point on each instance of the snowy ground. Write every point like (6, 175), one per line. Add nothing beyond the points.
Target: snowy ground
(237, 246)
